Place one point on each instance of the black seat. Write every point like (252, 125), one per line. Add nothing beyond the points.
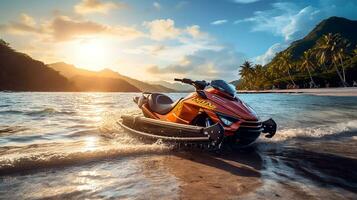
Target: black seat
(161, 103)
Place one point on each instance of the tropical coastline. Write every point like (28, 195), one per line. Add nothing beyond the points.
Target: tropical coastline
(179, 99)
(348, 91)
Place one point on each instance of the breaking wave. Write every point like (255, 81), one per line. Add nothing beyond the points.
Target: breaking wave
(33, 161)
(319, 131)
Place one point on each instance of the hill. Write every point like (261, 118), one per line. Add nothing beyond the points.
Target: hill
(345, 27)
(175, 86)
(71, 71)
(325, 57)
(102, 84)
(19, 72)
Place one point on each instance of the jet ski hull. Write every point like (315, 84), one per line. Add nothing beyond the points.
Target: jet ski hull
(153, 130)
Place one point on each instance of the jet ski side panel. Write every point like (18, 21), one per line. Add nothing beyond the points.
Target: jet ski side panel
(168, 131)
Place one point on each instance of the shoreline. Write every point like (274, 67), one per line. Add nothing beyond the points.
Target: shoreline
(219, 177)
(349, 91)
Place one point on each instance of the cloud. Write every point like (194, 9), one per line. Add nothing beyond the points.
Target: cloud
(161, 29)
(270, 53)
(219, 22)
(27, 20)
(26, 25)
(64, 28)
(245, 1)
(147, 49)
(203, 64)
(96, 6)
(194, 31)
(156, 5)
(293, 21)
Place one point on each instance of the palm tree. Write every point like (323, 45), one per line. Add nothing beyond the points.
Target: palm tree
(260, 75)
(342, 54)
(246, 72)
(284, 64)
(328, 52)
(308, 64)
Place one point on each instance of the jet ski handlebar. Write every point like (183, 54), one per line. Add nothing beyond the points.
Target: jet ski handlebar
(199, 85)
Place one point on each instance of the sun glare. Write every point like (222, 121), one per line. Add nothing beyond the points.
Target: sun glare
(92, 54)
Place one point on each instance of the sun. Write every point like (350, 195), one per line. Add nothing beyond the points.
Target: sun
(92, 54)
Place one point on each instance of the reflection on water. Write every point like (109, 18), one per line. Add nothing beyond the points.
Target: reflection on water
(90, 144)
(67, 145)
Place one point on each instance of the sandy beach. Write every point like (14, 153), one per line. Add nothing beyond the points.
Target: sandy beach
(202, 175)
(350, 91)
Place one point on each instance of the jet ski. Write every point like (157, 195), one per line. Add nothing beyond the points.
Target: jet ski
(212, 115)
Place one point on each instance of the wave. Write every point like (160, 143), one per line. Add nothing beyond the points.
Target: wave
(318, 131)
(337, 131)
(43, 112)
(11, 112)
(46, 111)
(12, 129)
(36, 161)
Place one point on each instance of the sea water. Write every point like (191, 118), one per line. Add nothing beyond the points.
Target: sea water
(68, 146)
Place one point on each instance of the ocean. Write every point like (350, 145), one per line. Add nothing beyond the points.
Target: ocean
(68, 146)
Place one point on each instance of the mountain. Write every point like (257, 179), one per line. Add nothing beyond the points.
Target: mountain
(235, 83)
(324, 65)
(345, 27)
(102, 84)
(71, 71)
(175, 86)
(19, 72)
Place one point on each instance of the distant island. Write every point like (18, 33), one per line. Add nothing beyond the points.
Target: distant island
(326, 57)
(86, 80)
(20, 72)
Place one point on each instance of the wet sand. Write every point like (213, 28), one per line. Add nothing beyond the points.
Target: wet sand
(202, 175)
(351, 91)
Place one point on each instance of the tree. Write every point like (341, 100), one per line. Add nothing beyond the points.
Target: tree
(329, 51)
(284, 64)
(308, 64)
(3, 43)
(246, 72)
(342, 54)
(259, 73)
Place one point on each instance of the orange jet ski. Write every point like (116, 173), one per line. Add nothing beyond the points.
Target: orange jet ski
(213, 114)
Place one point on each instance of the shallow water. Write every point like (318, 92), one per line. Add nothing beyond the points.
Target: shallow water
(67, 145)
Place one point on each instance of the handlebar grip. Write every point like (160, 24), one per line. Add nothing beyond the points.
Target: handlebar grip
(177, 79)
(187, 81)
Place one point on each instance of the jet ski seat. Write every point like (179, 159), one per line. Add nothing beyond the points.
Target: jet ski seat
(161, 103)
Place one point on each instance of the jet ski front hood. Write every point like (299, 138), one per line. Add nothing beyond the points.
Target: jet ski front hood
(239, 109)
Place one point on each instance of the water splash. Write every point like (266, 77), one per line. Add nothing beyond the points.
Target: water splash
(318, 131)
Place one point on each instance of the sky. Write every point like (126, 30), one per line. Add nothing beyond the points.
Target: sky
(162, 39)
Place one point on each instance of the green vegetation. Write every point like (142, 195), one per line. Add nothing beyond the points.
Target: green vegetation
(326, 57)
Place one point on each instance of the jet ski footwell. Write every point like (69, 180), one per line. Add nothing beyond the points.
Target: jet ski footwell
(151, 129)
